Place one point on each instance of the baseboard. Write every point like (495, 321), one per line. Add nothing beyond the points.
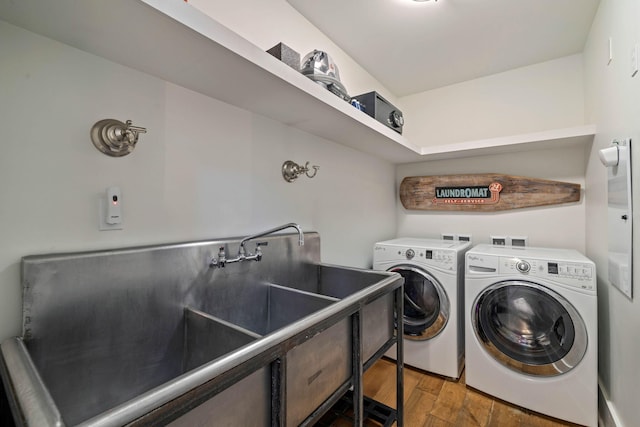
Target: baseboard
(607, 416)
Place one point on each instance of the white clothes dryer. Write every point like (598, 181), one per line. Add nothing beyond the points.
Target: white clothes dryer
(433, 271)
(531, 329)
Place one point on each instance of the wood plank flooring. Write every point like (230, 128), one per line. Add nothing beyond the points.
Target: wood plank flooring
(432, 401)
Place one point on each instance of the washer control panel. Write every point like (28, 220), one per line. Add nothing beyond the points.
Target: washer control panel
(445, 256)
(576, 274)
(436, 257)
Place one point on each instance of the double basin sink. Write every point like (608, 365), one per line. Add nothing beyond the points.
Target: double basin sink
(153, 336)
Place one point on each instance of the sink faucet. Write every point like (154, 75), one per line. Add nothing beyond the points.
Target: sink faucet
(222, 259)
(275, 230)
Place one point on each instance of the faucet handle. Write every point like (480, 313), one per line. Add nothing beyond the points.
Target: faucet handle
(220, 261)
(258, 255)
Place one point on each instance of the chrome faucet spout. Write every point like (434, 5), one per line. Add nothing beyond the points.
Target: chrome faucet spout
(243, 255)
(275, 230)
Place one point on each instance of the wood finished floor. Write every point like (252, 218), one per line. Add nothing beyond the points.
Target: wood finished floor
(432, 401)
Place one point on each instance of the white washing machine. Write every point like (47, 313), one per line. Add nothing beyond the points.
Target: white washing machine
(433, 271)
(531, 329)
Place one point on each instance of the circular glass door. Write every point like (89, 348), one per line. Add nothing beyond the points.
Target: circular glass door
(426, 306)
(529, 328)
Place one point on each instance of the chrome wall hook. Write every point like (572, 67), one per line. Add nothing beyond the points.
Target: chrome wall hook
(291, 170)
(114, 138)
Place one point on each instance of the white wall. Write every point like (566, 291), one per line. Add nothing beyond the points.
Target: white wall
(613, 102)
(204, 169)
(559, 226)
(537, 98)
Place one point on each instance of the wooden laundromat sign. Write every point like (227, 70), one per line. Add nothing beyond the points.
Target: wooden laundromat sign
(483, 192)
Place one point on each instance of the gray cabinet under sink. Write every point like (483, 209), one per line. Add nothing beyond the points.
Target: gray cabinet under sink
(315, 369)
(153, 336)
(246, 403)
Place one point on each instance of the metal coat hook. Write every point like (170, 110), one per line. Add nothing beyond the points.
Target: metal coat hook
(291, 170)
(114, 138)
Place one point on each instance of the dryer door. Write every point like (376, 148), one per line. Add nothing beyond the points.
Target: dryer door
(426, 305)
(529, 328)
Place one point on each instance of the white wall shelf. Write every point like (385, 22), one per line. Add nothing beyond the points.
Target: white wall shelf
(171, 40)
(580, 135)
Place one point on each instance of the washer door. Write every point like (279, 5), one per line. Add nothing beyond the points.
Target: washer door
(529, 328)
(426, 306)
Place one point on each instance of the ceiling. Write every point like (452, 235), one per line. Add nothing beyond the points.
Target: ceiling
(413, 46)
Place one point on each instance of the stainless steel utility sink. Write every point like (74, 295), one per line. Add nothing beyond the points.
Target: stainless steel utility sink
(153, 336)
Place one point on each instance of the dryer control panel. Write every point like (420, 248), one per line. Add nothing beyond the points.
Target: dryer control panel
(442, 258)
(429, 256)
(576, 274)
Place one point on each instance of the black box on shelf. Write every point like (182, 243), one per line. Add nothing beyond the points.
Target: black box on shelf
(382, 110)
(287, 55)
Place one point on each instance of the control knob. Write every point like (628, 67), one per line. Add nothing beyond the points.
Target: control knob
(523, 266)
(410, 254)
